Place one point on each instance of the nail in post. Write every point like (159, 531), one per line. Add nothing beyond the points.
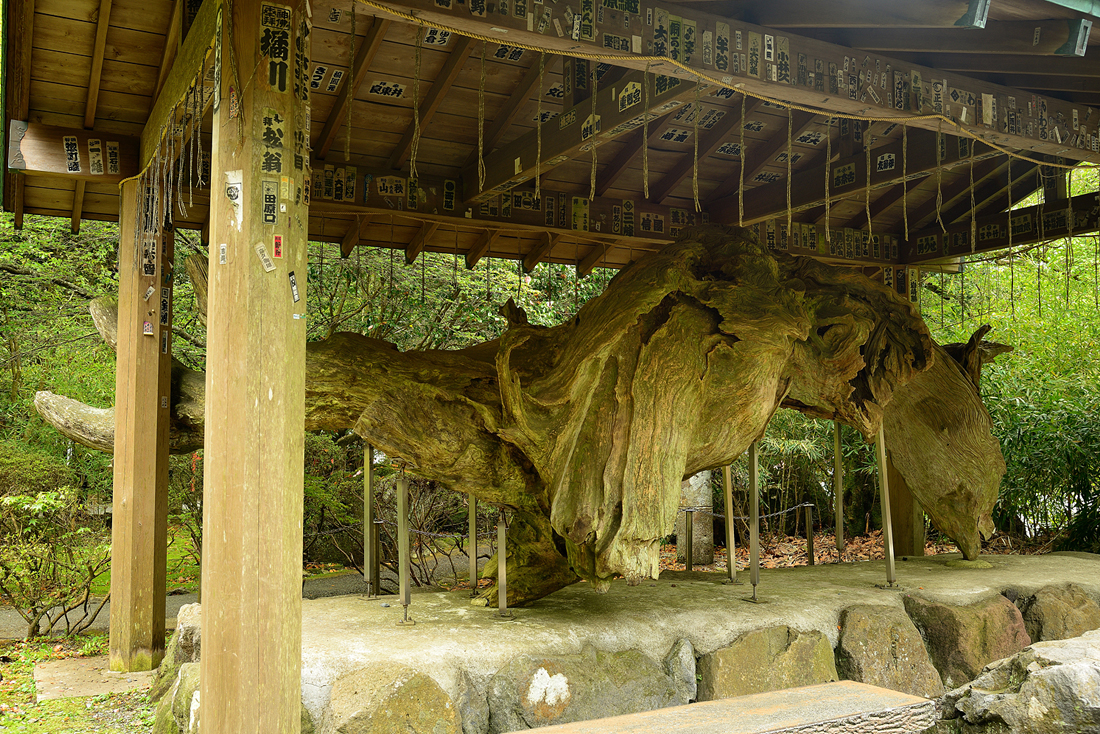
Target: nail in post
(887, 525)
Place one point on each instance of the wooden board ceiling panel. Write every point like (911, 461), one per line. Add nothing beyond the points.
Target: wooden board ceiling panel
(69, 99)
(140, 15)
(57, 33)
(74, 120)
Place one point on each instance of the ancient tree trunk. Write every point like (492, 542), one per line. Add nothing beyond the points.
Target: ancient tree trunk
(585, 430)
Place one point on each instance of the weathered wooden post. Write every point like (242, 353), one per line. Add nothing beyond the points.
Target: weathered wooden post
(255, 372)
(143, 374)
(810, 535)
(689, 521)
(731, 543)
(887, 526)
(754, 529)
(502, 567)
(403, 552)
(371, 561)
(905, 514)
(838, 491)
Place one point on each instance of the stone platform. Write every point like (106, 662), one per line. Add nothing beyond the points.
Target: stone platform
(525, 670)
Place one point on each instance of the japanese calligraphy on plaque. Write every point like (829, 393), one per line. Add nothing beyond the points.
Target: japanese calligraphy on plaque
(275, 44)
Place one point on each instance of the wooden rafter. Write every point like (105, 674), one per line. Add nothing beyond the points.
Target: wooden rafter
(483, 245)
(592, 259)
(78, 206)
(354, 234)
(761, 155)
(868, 13)
(630, 150)
(843, 97)
(509, 112)
(1004, 37)
(349, 86)
(171, 45)
(892, 196)
(447, 75)
(988, 186)
(102, 23)
(1001, 64)
(924, 214)
(515, 162)
(709, 141)
(545, 246)
(420, 241)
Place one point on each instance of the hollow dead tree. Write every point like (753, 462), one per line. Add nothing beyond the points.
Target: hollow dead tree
(585, 430)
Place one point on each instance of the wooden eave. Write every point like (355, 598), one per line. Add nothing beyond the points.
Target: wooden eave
(70, 66)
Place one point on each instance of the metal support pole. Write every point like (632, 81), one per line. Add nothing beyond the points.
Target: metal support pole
(689, 520)
(754, 530)
(502, 567)
(838, 490)
(403, 546)
(810, 535)
(371, 562)
(731, 540)
(472, 522)
(887, 525)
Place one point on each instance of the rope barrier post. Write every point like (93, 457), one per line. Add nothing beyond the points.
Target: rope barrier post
(689, 520)
(810, 535)
(371, 562)
(731, 541)
(887, 525)
(403, 548)
(754, 527)
(502, 568)
(472, 521)
(838, 491)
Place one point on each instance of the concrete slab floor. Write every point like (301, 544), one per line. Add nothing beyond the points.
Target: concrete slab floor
(344, 634)
(73, 677)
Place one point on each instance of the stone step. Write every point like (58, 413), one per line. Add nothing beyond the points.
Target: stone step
(833, 708)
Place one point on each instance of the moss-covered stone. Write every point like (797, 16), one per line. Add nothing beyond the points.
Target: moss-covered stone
(961, 640)
(1059, 613)
(880, 646)
(390, 700)
(185, 646)
(533, 691)
(766, 660)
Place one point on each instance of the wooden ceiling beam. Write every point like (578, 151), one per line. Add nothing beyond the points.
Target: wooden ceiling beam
(565, 136)
(349, 85)
(420, 241)
(967, 63)
(103, 21)
(540, 251)
(849, 178)
(36, 149)
(869, 13)
(892, 196)
(443, 82)
(760, 154)
(995, 200)
(483, 245)
(171, 46)
(629, 152)
(776, 71)
(354, 234)
(1028, 229)
(921, 215)
(593, 258)
(509, 112)
(78, 206)
(1001, 37)
(709, 141)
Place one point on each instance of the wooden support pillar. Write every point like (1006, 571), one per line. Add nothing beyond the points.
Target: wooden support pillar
(754, 510)
(884, 496)
(255, 376)
(906, 514)
(371, 558)
(731, 543)
(838, 490)
(143, 372)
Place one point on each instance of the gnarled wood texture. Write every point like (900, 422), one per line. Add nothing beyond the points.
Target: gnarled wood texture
(585, 430)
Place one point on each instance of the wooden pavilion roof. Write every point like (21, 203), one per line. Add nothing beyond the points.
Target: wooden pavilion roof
(100, 67)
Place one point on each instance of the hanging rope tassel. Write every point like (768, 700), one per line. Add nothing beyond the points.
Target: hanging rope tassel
(351, 60)
(538, 126)
(741, 175)
(1069, 222)
(973, 205)
(867, 193)
(695, 158)
(939, 176)
(790, 143)
(1009, 201)
(592, 140)
(481, 124)
(415, 148)
(905, 178)
(828, 175)
(645, 133)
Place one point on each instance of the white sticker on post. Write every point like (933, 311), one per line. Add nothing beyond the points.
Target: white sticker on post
(223, 251)
(234, 191)
(261, 251)
(149, 292)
